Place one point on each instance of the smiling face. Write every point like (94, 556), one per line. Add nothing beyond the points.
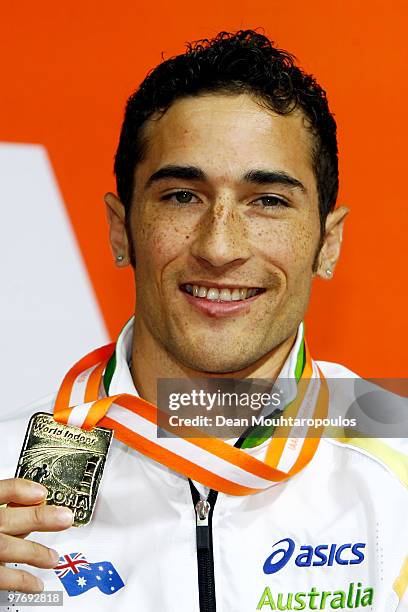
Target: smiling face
(225, 227)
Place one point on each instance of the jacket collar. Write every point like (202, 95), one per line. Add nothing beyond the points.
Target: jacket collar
(121, 378)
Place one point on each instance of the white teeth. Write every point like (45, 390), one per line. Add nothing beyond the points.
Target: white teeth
(220, 295)
(212, 294)
(225, 295)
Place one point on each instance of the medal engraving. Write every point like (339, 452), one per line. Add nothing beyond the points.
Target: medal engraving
(68, 460)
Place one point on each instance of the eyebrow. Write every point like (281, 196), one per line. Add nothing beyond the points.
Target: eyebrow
(257, 177)
(263, 177)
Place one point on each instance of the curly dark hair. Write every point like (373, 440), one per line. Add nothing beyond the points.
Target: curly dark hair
(241, 62)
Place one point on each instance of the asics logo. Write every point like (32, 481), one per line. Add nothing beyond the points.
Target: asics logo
(307, 556)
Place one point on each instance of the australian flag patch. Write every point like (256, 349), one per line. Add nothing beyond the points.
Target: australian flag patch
(78, 576)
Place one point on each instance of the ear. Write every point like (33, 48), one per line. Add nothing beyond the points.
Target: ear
(115, 211)
(330, 250)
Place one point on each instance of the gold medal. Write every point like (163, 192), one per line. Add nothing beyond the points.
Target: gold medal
(68, 460)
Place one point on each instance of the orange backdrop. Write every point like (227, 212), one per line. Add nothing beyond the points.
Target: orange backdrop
(67, 69)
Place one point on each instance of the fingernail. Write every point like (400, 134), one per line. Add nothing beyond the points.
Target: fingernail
(38, 490)
(55, 554)
(64, 515)
(40, 584)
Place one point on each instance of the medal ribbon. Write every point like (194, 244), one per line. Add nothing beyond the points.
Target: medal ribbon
(211, 461)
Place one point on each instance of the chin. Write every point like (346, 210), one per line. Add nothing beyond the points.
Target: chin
(208, 362)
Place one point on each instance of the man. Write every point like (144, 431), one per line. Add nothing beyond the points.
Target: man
(227, 182)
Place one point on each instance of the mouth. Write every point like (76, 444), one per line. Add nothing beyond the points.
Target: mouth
(221, 294)
(221, 300)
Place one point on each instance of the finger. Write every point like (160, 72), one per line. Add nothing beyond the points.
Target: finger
(16, 521)
(21, 535)
(19, 580)
(14, 505)
(16, 550)
(21, 491)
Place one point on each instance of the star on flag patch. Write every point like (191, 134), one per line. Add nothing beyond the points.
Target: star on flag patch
(78, 575)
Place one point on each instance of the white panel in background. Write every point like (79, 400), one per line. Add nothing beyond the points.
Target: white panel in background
(49, 316)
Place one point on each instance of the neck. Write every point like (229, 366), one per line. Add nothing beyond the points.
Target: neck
(150, 361)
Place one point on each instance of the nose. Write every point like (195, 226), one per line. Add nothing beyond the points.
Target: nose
(222, 236)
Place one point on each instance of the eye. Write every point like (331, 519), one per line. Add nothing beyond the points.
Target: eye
(271, 201)
(181, 197)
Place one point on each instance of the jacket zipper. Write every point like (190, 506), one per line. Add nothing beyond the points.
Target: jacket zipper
(204, 509)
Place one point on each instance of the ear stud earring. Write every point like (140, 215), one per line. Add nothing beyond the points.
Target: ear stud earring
(119, 258)
(329, 273)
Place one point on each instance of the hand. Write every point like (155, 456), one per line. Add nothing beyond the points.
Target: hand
(27, 514)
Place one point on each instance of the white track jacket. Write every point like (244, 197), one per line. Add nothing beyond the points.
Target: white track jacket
(332, 537)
